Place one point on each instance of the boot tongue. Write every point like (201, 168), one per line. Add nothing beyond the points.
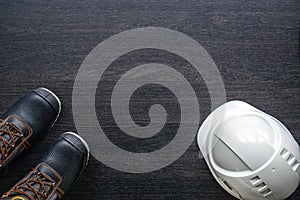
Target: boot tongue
(50, 172)
(14, 124)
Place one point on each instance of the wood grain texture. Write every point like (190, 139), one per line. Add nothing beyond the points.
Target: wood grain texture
(255, 45)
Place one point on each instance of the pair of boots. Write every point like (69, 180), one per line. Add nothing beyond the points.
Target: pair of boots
(27, 121)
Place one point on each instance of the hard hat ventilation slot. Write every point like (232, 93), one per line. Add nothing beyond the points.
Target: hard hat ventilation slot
(266, 192)
(261, 187)
(255, 180)
(290, 159)
(229, 187)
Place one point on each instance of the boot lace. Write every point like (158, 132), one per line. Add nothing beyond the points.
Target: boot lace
(38, 185)
(10, 137)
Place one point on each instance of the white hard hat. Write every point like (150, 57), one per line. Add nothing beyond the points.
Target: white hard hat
(250, 153)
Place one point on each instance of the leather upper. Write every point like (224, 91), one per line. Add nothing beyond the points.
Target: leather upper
(38, 109)
(58, 169)
(25, 122)
(68, 157)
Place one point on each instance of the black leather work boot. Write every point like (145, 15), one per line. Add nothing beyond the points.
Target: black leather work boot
(58, 170)
(25, 122)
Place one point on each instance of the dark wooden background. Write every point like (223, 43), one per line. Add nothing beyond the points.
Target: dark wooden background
(255, 45)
